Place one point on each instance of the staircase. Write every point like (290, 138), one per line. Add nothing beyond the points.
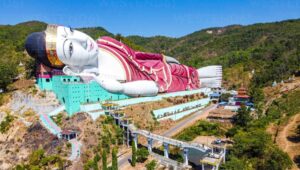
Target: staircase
(57, 110)
(93, 109)
(50, 125)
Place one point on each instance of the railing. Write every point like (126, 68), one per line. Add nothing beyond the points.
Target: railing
(171, 141)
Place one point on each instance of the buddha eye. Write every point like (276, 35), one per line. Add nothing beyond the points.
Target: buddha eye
(71, 49)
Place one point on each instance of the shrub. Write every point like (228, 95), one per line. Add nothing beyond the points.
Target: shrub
(151, 165)
(200, 128)
(142, 155)
(6, 123)
(104, 160)
(114, 159)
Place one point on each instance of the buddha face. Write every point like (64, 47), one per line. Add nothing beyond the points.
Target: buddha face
(75, 48)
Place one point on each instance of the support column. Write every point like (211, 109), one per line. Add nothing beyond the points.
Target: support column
(166, 150)
(118, 121)
(185, 156)
(150, 142)
(127, 137)
(135, 139)
(202, 164)
(224, 158)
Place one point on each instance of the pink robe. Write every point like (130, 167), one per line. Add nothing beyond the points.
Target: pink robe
(170, 77)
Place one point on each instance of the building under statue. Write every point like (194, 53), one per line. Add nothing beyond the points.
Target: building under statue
(72, 91)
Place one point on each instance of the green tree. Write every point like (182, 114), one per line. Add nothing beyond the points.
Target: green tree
(90, 165)
(104, 160)
(243, 116)
(253, 149)
(200, 128)
(114, 159)
(142, 155)
(6, 123)
(237, 164)
(96, 160)
(133, 157)
(225, 97)
(38, 160)
(8, 71)
(151, 165)
(30, 67)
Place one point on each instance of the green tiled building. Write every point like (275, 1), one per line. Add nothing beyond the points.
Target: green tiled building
(72, 91)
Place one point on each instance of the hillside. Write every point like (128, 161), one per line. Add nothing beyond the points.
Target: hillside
(272, 49)
(253, 56)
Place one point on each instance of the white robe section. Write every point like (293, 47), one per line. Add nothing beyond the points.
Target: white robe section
(111, 66)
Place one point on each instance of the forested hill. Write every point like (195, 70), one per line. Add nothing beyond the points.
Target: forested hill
(272, 49)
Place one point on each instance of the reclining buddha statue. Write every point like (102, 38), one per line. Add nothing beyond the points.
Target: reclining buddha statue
(116, 67)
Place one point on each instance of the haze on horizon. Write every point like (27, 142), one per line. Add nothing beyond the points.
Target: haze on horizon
(173, 18)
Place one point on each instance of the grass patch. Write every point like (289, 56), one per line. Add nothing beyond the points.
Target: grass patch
(6, 123)
(200, 128)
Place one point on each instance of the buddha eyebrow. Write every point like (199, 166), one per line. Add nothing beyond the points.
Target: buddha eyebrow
(65, 31)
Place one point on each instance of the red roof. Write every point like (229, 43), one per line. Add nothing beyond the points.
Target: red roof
(67, 132)
(242, 96)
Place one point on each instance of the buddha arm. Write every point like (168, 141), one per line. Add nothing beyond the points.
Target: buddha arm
(134, 88)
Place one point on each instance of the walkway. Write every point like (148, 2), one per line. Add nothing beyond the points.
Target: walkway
(124, 160)
(131, 101)
(285, 138)
(168, 162)
(75, 149)
(52, 127)
(173, 142)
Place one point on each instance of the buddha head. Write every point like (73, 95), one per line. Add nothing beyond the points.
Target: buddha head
(58, 46)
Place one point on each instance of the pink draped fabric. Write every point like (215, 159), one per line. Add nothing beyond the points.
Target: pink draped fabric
(150, 66)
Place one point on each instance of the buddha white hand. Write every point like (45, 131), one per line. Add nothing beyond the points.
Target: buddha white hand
(134, 88)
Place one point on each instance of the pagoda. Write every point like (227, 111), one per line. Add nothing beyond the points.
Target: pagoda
(241, 97)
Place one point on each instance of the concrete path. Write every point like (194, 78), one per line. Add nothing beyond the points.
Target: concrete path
(52, 127)
(75, 154)
(50, 124)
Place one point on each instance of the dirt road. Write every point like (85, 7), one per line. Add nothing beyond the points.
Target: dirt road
(286, 138)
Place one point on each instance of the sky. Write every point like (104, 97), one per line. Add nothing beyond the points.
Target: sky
(173, 18)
